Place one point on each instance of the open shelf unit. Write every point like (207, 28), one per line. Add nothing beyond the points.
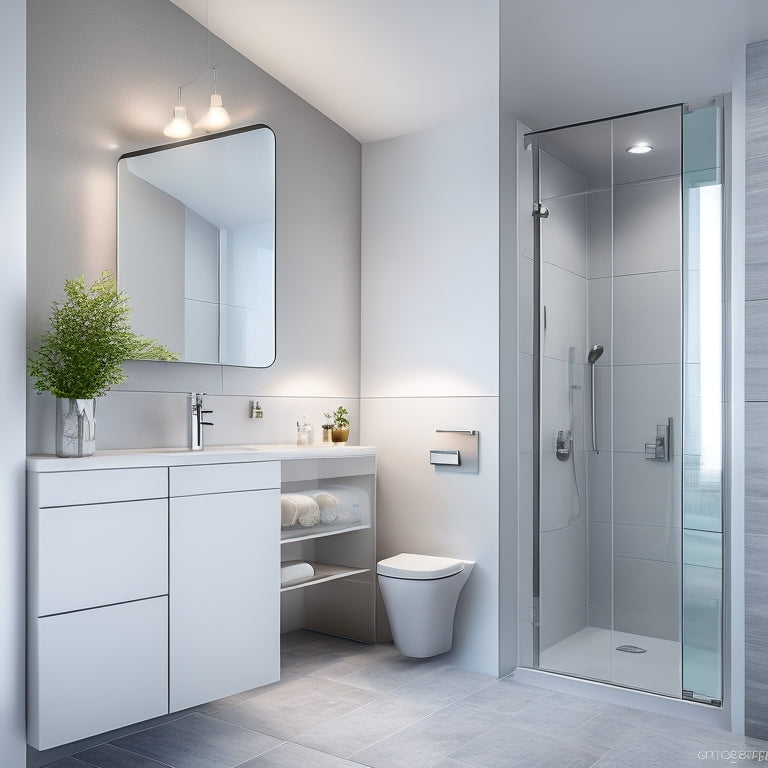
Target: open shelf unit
(342, 598)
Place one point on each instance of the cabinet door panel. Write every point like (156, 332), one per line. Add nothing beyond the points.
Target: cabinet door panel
(224, 594)
(97, 670)
(98, 554)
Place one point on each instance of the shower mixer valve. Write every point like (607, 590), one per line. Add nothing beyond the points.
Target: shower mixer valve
(563, 445)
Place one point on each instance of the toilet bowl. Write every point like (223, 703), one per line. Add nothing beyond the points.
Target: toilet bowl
(420, 594)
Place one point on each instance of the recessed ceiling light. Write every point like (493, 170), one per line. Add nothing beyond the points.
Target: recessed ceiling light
(639, 149)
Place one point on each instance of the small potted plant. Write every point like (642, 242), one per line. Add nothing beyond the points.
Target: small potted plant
(340, 430)
(81, 357)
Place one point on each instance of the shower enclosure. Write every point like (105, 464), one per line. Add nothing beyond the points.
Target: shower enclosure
(626, 465)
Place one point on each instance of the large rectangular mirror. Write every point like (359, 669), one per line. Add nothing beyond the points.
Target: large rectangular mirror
(196, 245)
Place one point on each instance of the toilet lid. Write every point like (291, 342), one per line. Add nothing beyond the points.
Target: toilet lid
(408, 566)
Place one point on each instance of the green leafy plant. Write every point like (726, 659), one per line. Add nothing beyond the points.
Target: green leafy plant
(90, 338)
(339, 417)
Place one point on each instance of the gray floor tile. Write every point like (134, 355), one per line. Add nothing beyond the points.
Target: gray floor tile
(198, 741)
(431, 739)
(547, 718)
(386, 675)
(508, 746)
(110, 756)
(443, 687)
(297, 756)
(507, 697)
(68, 762)
(296, 706)
(363, 727)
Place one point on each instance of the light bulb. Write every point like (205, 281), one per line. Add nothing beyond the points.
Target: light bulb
(216, 117)
(639, 149)
(179, 127)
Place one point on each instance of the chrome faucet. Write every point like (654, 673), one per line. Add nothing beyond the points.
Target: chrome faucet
(196, 422)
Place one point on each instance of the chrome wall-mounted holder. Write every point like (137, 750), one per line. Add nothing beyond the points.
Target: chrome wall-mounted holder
(661, 448)
(457, 450)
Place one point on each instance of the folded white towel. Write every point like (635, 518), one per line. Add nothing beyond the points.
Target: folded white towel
(298, 508)
(295, 571)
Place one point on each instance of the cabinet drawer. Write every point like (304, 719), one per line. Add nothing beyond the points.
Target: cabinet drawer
(97, 554)
(93, 671)
(59, 489)
(222, 478)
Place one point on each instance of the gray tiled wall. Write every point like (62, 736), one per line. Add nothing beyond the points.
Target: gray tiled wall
(756, 376)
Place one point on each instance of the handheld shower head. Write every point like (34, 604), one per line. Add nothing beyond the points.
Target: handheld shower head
(595, 353)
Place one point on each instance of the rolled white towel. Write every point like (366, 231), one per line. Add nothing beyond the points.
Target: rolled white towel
(295, 571)
(298, 508)
(328, 504)
(339, 504)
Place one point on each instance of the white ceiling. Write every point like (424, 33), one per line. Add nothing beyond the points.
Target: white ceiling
(381, 68)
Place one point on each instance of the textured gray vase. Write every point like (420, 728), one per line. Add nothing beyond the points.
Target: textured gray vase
(75, 427)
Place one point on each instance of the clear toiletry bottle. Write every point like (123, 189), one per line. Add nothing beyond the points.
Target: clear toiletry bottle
(304, 435)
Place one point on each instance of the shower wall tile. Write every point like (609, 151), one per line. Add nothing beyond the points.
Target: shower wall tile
(643, 397)
(756, 350)
(552, 632)
(646, 597)
(603, 407)
(564, 234)
(600, 234)
(757, 102)
(560, 504)
(646, 227)
(599, 486)
(555, 394)
(756, 468)
(646, 492)
(524, 304)
(756, 601)
(564, 295)
(600, 296)
(558, 179)
(756, 223)
(647, 542)
(563, 572)
(600, 581)
(647, 318)
(757, 61)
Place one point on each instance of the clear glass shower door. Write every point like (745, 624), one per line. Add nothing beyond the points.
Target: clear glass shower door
(609, 521)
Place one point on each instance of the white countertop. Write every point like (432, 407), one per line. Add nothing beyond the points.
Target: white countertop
(215, 454)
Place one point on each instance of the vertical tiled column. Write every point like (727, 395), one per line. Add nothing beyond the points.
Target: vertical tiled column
(756, 393)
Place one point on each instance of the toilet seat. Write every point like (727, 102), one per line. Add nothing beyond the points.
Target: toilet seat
(419, 567)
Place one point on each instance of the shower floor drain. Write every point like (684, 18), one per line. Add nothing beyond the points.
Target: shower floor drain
(631, 649)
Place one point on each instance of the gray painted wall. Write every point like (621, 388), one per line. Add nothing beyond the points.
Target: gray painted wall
(13, 227)
(756, 394)
(103, 78)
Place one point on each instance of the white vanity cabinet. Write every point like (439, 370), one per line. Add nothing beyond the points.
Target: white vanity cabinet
(154, 578)
(98, 601)
(224, 580)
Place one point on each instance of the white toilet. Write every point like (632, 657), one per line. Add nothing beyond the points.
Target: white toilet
(420, 594)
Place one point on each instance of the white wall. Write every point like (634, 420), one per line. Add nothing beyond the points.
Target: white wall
(103, 77)
(430, 351)
(12, 384)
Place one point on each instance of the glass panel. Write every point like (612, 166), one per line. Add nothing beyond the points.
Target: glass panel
(703, 418)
